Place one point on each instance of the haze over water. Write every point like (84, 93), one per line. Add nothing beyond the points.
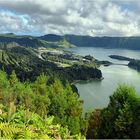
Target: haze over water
(96, 93)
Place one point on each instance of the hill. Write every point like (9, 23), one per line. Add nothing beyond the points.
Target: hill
(31, 41)
(105, 42)
(28, 65)
(67, 41)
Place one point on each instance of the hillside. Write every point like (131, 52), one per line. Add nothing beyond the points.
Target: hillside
(31, 41)
(27, 41)
(105, 42)
(67, 41)
(28, 65)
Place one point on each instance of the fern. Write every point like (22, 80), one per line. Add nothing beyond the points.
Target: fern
(8, 131)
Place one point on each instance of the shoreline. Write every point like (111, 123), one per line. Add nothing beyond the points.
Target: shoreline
(89, 80)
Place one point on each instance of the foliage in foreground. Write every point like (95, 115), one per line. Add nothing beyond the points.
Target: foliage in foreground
(39, 99)
(48, 109)
(121, 119)
(23, 124)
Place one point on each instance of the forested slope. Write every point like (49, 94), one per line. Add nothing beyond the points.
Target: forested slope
(105, 42)
(28, 65)
(41, 109)
(66, 41)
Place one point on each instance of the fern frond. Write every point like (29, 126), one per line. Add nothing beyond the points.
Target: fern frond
(7, 130)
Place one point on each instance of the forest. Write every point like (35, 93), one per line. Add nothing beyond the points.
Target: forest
(49, 109)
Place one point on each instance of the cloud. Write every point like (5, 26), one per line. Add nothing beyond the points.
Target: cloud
(10, 22)
(84, 17)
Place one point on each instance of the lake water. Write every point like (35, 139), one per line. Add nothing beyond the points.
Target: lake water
(96, 93)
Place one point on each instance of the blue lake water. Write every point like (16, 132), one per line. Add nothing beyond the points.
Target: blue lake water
(96, 93)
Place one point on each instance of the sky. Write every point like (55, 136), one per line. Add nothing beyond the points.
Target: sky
(80, 17)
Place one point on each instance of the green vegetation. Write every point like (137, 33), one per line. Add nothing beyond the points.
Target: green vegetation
(68, 59)
(56, 41)
(30, 41)
(118, 57)
(40, 109)
(23, 124)
(120, 119)
(48, 109)
(28, 65)
(65, 44)
(104, 42)
(135, 64)
(38, 102)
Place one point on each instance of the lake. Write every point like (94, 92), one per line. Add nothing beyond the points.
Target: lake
(96, 93)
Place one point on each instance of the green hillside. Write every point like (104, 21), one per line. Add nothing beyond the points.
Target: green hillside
(28, 65)
(30, 41)
(67, 41)
(89, 41)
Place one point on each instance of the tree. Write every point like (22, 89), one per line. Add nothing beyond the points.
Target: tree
(121, 118)
(124, 122)
(45, 97)
(66, 106)
(94, 123)
(13, 79)
(41, 100)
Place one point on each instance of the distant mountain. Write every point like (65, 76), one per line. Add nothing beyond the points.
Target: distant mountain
(105, 42)
(52, 41)
(27, 41)
(51, 37)
(66, 41)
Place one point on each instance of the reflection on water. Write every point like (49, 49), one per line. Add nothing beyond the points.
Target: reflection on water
(96, 93)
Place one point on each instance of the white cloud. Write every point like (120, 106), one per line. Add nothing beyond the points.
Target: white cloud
(84, 17)
(10, 22)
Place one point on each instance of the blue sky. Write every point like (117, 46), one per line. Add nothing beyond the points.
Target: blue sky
(129, 7)
(82, 17)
